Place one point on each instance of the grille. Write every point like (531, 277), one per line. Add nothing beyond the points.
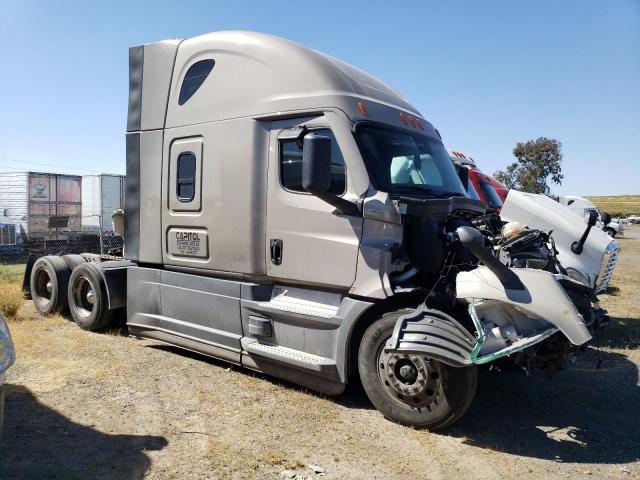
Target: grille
(608, 266)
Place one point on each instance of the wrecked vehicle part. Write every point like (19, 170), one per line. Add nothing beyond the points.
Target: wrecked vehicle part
(503, 330)
(473, 241)
(515, 301)
(543, 298)
(434, 334)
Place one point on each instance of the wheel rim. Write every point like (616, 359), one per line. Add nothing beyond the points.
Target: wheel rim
(43, 287)
(414, 381)
(84, 296)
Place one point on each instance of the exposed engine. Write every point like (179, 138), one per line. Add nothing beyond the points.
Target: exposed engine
(434, 250)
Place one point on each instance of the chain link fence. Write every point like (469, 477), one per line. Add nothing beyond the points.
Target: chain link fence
(51, 214)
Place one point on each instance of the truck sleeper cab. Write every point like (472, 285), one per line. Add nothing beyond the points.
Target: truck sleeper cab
(288, 212)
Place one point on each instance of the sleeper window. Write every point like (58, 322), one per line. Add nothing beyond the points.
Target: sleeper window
(291, 165)
(186, 177)
(194, 77)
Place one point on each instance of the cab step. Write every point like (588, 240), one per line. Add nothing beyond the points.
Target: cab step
(289, 356)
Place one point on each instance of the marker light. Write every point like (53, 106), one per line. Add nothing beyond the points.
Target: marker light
(412, 121)
(404, 118)
(420, 124)
(362, 108)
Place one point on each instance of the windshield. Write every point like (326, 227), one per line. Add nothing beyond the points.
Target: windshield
(401, 162)
(473, 193)
(492, 196)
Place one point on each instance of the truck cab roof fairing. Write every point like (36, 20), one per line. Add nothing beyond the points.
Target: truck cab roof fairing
(258, 74)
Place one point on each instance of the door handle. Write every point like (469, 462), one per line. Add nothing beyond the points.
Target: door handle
(275, 246)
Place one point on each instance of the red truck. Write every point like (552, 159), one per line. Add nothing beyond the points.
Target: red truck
(480, 185)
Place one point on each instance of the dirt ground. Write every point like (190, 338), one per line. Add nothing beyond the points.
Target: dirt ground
(94, 406)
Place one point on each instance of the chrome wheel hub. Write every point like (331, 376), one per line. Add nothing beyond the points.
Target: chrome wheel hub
(413, 380)
(84, 296)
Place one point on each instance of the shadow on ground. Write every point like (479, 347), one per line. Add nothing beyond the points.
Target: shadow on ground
(39, 443)
(583, 415)
(624, 332)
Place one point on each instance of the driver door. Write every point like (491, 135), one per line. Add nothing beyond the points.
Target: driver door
(306, 241)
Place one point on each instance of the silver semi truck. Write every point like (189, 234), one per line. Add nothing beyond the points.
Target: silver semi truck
(292, 214)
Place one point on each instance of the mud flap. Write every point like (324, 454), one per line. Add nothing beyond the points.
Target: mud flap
(26, 279)
(433, 334)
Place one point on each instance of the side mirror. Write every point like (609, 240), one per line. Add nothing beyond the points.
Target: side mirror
(316, 173)
(592, 219)
(316, 164)
(606, 218)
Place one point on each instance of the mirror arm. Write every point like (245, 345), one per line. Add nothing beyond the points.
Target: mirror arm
(344, 206)
(577, 247)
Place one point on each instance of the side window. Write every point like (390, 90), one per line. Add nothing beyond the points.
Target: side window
(194, 77)
(291, 165)
(186, 177)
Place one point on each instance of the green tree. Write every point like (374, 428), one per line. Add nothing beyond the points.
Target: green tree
(538, 162)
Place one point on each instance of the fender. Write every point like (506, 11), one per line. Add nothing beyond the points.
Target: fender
(434, 334)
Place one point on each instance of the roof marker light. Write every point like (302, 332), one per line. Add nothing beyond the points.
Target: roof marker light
(412, 121)
(404, 118)
(420, 124)
(363, 109)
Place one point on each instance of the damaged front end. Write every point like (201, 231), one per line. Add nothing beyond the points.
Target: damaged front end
(521, 313)
(510, 321)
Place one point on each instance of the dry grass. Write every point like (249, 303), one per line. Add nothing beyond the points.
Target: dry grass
(623, 301)
(619, 204)
(11, 297)
(12, 273)
(221, 421)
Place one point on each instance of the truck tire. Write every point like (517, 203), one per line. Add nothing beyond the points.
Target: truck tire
(412, 389)
(49, 282)
(73, 260)
(611, 232)
(88, 301)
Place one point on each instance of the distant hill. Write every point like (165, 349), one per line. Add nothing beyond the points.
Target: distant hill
(618, 205)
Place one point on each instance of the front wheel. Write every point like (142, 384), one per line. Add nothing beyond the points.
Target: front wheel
(412, 389)
(611, 232)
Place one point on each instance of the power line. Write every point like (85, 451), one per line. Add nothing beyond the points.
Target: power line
(52, 165)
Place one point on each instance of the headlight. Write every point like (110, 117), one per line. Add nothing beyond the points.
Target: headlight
(7, 353)
(578, 276)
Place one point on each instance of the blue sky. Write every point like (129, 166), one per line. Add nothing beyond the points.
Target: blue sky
(486, 74)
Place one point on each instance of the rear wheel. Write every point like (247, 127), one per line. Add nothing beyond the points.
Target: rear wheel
(88, 302)
(49, 282)
(412, 389)
(72, 261)
(610, 231)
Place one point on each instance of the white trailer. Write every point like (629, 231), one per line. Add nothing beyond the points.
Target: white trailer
(101, 195)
